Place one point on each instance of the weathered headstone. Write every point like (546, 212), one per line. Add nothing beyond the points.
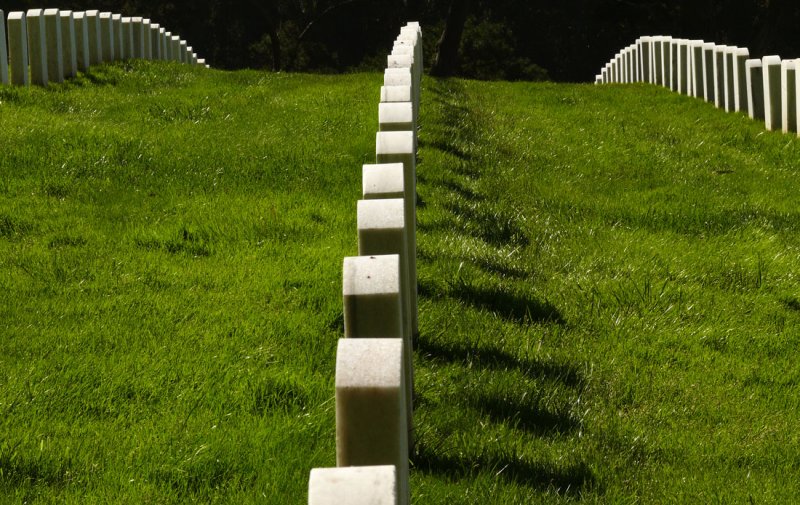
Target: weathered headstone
(371, 422)
(3, 50)
(37, 46)
(18, 48)
(788, 96)
(55, 51)
(771, 73)
(708, 72)
(755, 89)
(400, 147)
(82, 40)
(354, 485)
(69, 43)
(107, 38)
(95, 37)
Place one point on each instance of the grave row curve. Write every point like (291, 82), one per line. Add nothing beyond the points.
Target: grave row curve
(767, 88)
(374, 366)
(51, 45)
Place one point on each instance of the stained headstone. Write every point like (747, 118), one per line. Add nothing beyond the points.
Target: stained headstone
(3, 50)
(55, 51)
(37, 46)
(354, 485)
(95, 37)
(771, 73)
(708, 72)
(755, 89)
(69, 43)
(788, 96)
(371, 422)
(18, 48)
(107, 38)
(82, 40)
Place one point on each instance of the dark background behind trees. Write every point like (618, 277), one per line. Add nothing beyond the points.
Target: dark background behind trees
(565, 40)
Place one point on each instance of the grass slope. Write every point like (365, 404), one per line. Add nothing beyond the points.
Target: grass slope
(609, 302)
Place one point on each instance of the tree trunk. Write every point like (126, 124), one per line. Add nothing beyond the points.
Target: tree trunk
(446, 61)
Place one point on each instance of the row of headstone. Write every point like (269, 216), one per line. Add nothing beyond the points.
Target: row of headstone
(374, 366)
(767, 89)
(50, 45)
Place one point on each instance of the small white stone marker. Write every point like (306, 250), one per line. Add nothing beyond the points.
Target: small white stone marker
(719, 76)
(184, 52)
(354, 485)
(398, 77)
(165, 43)
(740, 55)
(155, 52)
(175, 48)
(18, 48)
(137, 29)
(69, 43)
(673, 70)
(37, 47)
(382, 181)
(644, 63)
(788, 96)
(119, 39)
(95, 37)
(400, 147)
(55, 52)
(684, 80)
(666, 63)
(708, 72)
(371, 422)
(771, 73)
(107, 39)
(396, 94)
(3, 50)
(371, 296)
(396, 116)
(755, 89)
(82, 50)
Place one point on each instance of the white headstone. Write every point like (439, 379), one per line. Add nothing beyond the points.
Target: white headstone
(107, 38)
(3, 50)
(740, 56)
(683, 67)
(175, 50)
(184, 48)
(755, 89)
(18, 48)
(354, 485)
(127, 38)
(396, 116)
(397, 77)
(147, 39)
(95, 37)
(771, 73)
(55, 51)
(166, 44)
(666, 64)
(371, 422)
(730, 99)
(82, 40)
(69, 43)
(119, 37)
(697, 68)
(644, 54)
(37, 46)
(372, 300)
(155, 45)
(788, 96)
(137, 29)
(708, 72)
(719, 76)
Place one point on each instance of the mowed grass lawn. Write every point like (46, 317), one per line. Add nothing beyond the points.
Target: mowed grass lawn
(609, 302)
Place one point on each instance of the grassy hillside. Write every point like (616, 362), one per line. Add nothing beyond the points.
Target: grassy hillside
(609, 299)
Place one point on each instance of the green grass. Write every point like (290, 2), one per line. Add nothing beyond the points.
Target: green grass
(609, 299)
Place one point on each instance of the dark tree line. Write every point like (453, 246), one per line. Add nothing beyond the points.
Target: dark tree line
(488, 39)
